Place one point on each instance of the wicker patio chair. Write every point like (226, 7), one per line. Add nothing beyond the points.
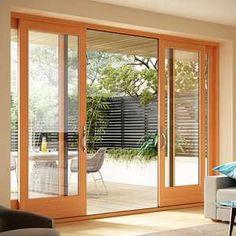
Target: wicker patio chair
(94, 164)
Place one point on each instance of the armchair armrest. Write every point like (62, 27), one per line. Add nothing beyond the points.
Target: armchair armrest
(15, 219)
(212, 184)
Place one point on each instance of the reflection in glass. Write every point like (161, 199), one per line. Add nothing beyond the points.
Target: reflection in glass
(182, 120)
(14, 114)
(73, 113)
(53, 115)
(206, 111)
(43, 115)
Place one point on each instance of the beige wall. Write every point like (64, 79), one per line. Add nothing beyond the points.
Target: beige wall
(234, 100)
(85, 10)
(226, 102)
(4, 103)
(125, 17)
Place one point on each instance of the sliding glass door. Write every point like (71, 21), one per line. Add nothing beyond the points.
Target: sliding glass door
(107, 122)
(182, 123)
(122, 137)
(51, 121)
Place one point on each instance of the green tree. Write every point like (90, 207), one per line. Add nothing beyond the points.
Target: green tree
(186, 76)
(136, 77)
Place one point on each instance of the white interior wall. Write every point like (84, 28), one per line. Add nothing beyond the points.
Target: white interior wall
(86, 10)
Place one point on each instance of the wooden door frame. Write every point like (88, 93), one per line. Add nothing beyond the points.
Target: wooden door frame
(60, 25)
(213, 108)
(60, 206)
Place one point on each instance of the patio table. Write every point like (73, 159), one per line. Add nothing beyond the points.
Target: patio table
(45, 172)
(44, 177)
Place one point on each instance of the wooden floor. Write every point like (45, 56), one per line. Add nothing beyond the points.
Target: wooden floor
(119, 197)
(136, 224)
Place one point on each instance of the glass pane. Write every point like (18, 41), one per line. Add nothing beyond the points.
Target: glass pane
(73, 113)
(122, 74)
(182, 120)
(53, 114)
(206, 111)
(14, 113)
(43, 115)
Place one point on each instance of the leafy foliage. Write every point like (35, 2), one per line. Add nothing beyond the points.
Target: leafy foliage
(43, 85)
(96, 120)
(96, 62)
(150, 146)
(126, 154)
(14, 112)
(186, 76)
(136, 77)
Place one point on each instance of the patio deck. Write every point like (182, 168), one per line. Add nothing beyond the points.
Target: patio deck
(120, 197)
(130, 185)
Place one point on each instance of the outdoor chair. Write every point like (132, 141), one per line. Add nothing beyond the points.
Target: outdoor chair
(94, 164)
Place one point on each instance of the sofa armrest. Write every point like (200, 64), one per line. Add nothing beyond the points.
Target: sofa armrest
(15, 219)
(212, 184)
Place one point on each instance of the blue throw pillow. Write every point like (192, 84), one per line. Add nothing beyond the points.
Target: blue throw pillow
(228, 169)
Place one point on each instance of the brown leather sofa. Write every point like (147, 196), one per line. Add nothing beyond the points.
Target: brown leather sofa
(20, 223)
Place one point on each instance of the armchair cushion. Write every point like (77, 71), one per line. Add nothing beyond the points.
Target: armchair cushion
(226, 194)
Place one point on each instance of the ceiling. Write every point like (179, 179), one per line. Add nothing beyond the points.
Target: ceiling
(99, 41)
(107, 42)
(217, 11)
(123, 44)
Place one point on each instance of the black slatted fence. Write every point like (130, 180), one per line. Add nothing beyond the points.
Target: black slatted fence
(128, 122)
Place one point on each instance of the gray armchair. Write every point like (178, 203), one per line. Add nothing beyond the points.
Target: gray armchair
(15, 222)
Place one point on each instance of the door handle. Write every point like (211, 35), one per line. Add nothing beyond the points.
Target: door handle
(84, 141)
(163, 140)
